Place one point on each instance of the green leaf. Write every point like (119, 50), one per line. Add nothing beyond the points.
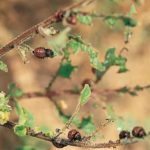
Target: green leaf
(133, 9)
(85, 94)
(66, 70)
(20, 130)
(87, 125)
(128, 21)
(3, 67)
(111, 20)
(85, 19)
(75, 45)
(14, 91)
(112, 60)
(110, 57)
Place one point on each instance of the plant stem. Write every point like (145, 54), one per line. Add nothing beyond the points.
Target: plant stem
(48, 88)
(40, 135)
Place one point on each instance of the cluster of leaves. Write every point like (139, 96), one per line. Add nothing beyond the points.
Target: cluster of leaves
(128, 21)
(77, 44)
(4, 108)
(111, 59)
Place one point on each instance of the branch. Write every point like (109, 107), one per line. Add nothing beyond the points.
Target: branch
(31, 32)
(82, 143)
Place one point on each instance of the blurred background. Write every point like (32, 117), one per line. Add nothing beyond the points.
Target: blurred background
(18, 15)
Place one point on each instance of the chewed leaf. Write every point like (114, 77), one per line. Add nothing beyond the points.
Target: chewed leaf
(77, 44)
(3, 67)
(85, 94)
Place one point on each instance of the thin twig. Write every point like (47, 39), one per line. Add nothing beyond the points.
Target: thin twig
(129, 90)
(102, 125)
(31, 32)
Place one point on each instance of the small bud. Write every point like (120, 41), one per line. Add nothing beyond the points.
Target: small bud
(74, 135)
(138, 132)
(124, 134)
